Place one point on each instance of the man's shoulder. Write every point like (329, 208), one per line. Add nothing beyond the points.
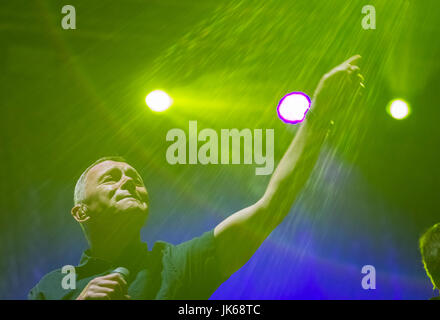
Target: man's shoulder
(48, 280)
(51, 276)
(161, 245)
(189, 252)
(50, 284)
(178, 256)
(204, 240)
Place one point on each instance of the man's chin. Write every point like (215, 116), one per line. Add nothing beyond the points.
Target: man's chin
(131, 206)
(132, 216)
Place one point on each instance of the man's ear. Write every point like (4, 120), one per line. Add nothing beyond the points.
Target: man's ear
(80, 213)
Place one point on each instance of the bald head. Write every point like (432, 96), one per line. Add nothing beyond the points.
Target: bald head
(79, 194)
(109, 194)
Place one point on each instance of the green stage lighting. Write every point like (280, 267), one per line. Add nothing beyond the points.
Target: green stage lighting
(158, 100)
(399, 109)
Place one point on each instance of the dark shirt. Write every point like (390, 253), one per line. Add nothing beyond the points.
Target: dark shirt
(189, 270)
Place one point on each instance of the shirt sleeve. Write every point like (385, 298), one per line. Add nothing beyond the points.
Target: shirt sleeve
(35, 294)
(197, 263)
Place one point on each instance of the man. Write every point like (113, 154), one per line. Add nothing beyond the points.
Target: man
(430, 250)
(111, 205)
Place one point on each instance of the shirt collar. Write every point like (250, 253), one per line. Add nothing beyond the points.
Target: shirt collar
(96, 265)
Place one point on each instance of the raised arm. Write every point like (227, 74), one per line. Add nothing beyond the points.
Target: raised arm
(240, 235)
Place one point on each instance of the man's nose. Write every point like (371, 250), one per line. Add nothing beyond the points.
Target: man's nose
(128, 184)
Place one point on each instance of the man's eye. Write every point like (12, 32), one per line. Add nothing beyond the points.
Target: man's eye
(109, 178)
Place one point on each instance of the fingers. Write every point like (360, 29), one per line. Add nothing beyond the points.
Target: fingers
(102, 293)
(119, 289)
(353, 69)
(352, 72)
(344, 77)
(361, 80)
(353, 59)
(116, 277)
(98, 296)
(111, 293)
(112, 286)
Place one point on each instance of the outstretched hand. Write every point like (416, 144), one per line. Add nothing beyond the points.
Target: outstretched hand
(338, 87)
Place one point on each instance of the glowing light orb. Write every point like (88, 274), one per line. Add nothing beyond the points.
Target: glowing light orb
(158, 100)
(293, 107)
(398, 109)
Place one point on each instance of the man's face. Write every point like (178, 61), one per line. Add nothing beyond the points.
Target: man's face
(115, 189)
